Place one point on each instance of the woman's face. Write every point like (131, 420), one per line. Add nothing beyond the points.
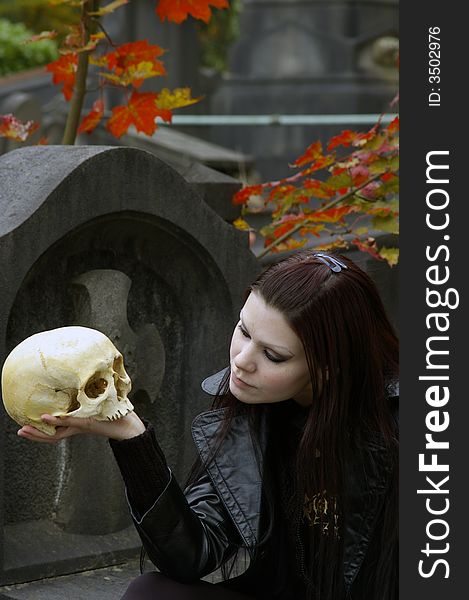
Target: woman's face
(268, 362)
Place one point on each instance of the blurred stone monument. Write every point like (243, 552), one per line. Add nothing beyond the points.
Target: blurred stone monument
(305, 58)
(115, 239)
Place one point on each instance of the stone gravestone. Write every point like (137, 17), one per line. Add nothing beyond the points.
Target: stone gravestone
(115, 239)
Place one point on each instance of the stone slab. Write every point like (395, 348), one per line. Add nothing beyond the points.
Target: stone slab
(108, 583)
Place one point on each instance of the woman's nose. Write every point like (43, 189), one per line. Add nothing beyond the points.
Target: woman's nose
(244, 359)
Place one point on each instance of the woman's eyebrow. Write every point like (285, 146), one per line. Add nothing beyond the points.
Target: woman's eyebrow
(264, 343)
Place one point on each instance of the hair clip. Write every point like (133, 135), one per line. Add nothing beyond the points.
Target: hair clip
(333, 263)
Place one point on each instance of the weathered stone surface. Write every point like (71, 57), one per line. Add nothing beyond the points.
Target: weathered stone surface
(89, 228)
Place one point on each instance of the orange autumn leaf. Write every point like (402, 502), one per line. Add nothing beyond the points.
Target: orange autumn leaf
(92, 119)
(141, 112)
(369, 246)
(134, 61)
(241, 196)
(331, 215)
(311, 230)
(64, 70)
(388, 177)
(393, 126)
(360, 175)
(280, 191)
(282, 229)
(313, 152)
(292, 244)
(338, 170)
(318, 189)
(320, 163)
(343, 139)
(335, 245)
(177, 11)
(133, 53)
(362, 138)
(14, 129)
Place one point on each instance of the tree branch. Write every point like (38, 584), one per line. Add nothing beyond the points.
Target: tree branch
(331, 204)
(79, 90)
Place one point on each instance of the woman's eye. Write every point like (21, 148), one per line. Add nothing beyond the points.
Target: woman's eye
(273, 358)
(266, 353)
(243, 331)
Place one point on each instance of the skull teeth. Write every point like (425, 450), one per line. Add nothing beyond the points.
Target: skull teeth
(117, 415)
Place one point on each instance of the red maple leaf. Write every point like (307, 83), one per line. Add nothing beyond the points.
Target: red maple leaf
(141, 112)
(362, 138)
(282, 229)
(360, 174)
(313, 152)
(331, 215)
(318, 189)
(178, 10)
(369, 246)
(244, 194)
(64, 70)
(387, 177)
(125, 59)
(92, 119)
(338, 170)
(343, 139)
(279, 192)
(320, 163)
(393, 126)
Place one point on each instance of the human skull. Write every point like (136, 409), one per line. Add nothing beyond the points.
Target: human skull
(73, 371)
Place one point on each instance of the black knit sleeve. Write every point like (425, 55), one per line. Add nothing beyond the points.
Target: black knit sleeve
(143, 467)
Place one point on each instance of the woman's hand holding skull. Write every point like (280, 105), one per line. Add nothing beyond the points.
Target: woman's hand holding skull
(119, 429)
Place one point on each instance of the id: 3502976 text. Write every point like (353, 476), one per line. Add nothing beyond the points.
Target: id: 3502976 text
(434, 68)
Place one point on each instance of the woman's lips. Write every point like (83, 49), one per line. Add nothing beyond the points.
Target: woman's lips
(239, 382)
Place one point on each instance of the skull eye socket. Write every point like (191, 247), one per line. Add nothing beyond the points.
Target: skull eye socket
(74, 404)
(95, 386)
(72, 395)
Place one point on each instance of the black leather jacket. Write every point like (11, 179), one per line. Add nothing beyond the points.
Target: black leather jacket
(189, 535)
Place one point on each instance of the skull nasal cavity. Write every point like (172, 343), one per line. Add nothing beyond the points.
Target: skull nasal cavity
(95, 387)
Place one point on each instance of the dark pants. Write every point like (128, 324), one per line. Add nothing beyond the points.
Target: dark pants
(155, 586)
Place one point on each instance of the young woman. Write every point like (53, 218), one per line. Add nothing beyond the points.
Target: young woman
(297, 460)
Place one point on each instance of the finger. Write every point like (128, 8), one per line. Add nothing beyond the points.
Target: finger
(30, 430)
(33, 434)
(78, 423)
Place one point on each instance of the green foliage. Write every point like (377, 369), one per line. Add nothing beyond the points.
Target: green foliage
(39, 15)
(217, 36)
(15, 55)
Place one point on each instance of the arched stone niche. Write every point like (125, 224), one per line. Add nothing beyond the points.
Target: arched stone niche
(114, 239)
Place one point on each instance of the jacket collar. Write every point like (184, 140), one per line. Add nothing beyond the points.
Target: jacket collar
(211, 384)
(238, 463)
